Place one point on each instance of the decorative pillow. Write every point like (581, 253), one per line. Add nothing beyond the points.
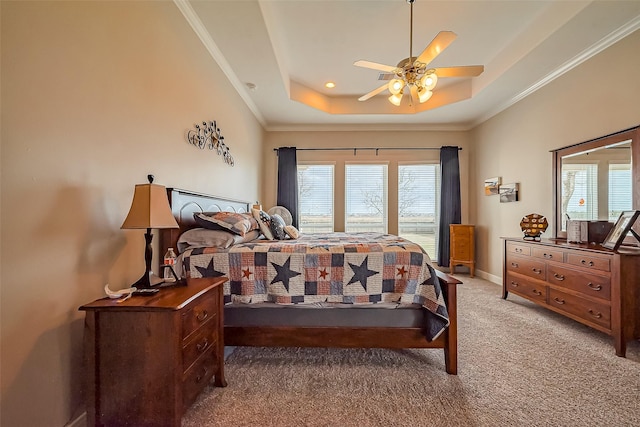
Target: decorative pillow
(277, 227)
(291, 231)
(238, 223)
(205, 238)
(264, 222)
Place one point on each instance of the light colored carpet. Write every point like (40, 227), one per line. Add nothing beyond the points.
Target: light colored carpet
(519, 365)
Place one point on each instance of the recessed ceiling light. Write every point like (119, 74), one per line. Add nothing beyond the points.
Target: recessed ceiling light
(330, 85)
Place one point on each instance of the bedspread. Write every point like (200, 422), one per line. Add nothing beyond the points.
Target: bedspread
(355, 268)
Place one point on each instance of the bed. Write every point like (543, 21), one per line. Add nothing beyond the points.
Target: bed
(276, 308)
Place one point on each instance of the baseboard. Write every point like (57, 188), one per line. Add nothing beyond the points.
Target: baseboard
(490, 277)
(81, 421)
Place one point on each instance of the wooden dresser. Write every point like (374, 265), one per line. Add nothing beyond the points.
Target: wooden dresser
(149, 357)
(462, 247)
(588, 283)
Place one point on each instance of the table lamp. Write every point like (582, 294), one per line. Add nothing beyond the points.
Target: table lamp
(149, 209)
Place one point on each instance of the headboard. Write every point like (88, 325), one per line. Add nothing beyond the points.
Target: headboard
(184, 204)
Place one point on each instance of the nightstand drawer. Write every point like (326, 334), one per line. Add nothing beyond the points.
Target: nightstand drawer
(586, 309)
(588, 284)
(527, 266)
(198, 376)
(202, 311)
(205, 339)
(526, 288)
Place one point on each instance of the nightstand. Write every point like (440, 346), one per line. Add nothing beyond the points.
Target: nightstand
(462, 247)
(149, 357)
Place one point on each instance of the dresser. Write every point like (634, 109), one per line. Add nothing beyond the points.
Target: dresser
(148, 358)
(462, 247)
(585, 282)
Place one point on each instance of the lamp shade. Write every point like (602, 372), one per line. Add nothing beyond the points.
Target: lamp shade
(150, 208)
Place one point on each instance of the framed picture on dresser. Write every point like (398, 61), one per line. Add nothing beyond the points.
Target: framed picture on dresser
(620, 229)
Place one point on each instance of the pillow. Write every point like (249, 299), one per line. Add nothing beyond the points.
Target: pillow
(264, 222)
(277, 227)
(291, 231)
(205, 238)
(238, 223)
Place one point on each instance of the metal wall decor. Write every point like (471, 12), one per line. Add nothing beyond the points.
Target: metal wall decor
(207, 135)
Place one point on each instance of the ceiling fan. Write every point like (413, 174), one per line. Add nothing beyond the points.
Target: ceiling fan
(413, 72)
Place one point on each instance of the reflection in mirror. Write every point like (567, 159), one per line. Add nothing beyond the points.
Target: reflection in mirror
(597, 183)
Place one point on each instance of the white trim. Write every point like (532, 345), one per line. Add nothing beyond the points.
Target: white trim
(490, 277)
(201, 31)
(81, 421)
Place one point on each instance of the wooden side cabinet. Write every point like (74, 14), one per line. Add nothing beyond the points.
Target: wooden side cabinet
(462, 247)
(149, 357)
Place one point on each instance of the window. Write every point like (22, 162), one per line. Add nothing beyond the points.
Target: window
(619, 189)
(419, 205)
(366, 198)
(315, 198)
(580, 191)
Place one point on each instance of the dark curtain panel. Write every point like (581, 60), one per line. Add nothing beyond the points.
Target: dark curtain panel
(449, 200)
(288, 181)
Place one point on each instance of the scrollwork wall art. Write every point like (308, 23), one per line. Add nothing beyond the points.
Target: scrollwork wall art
(208, 135)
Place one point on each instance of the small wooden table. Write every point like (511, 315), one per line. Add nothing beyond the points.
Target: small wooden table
(149, 357)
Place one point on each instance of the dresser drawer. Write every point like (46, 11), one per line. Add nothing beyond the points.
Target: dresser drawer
(527, 266)
(526, 288)
(547, 253)
(202, 311)
(205, 339)
(197, 377)
(588, 284)
(586, 309)
(518, 249)
(589, 261)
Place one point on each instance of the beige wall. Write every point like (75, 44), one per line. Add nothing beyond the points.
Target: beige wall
(356, 139)
(597, 98)
(95, 95)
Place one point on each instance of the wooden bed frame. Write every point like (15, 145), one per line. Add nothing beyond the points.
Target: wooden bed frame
(185, 203)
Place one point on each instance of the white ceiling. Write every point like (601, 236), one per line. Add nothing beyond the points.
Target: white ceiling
(290, 48)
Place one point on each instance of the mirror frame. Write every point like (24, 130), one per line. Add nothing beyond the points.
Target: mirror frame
(632, 134)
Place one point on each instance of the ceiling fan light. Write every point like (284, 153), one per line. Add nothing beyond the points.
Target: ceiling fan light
(395, 86)
(429, 81)
(424, 95)
(395, 99)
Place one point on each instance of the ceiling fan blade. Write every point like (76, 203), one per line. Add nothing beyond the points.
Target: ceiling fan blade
(373, 92)
(375, 66)
(463, 71)
(437, 45)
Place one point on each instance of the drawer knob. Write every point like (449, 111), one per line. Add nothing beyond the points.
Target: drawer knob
(518, 250)
(537, 292)
(548, 256)
(558, 276)
(559, 300)
(585, 262)
(597, 315)
(203, 375)
(536, 270)
(202, 315)
(515, 284)
(594, 287)
(202, 346)
(514, 264)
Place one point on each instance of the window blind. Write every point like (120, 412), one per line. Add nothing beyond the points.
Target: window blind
(366, 198)
(580, 191)
(315, 198)
(619, 189)
(419, 205)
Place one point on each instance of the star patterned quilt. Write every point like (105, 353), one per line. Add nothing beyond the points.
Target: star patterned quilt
(352, 268)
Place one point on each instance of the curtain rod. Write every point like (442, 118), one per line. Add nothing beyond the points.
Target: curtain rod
(354, 149)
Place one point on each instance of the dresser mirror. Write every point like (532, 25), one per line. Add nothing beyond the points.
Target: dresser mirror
(596, 179)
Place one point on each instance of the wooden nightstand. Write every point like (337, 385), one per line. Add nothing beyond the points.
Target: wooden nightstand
(462, 247)
(148, 358)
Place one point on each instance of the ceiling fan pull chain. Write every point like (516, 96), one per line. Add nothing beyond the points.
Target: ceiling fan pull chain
(411, 32)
